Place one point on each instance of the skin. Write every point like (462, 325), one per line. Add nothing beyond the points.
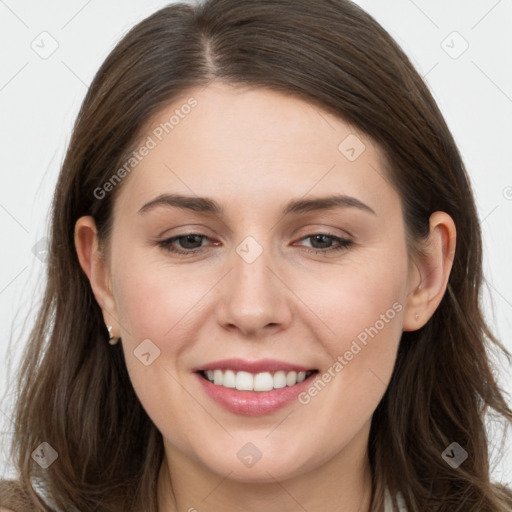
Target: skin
(253, 151)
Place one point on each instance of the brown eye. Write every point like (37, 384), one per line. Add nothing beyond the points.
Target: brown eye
(323, 243)
(189, 243)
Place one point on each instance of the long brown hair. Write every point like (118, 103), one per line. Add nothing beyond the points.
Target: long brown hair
(73, 388)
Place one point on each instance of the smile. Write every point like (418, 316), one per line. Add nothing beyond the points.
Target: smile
(253, 388)
(264, 381)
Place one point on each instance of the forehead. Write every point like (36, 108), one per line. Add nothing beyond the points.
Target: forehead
(253, 145)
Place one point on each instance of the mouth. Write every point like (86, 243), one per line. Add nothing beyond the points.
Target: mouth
(254, 388)
(259, 382)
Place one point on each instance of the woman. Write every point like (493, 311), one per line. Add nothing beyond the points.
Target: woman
(264, 212)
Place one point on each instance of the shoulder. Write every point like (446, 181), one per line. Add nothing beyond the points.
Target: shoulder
(388, 502)
(12, 496)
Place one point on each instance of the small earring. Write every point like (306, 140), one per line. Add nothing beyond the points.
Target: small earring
(111, 338)
(417, 316)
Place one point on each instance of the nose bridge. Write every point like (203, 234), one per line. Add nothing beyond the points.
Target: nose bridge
(253, 297)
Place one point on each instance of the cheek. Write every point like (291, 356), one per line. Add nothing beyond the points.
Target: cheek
(363, 307)
(152, 300)
(362, 304)
(153, 307)
(367, 310)
(361, 301)
(158, 309)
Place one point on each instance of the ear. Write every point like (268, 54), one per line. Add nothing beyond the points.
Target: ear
(430, 271)
(96, 268)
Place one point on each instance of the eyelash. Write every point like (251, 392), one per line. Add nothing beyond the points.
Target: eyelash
(343, 244)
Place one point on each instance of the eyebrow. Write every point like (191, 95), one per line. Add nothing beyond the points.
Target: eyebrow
(297, 206)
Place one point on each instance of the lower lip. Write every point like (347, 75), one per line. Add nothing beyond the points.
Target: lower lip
(254, 403)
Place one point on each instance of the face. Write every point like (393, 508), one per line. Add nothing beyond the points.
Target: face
(265, 271)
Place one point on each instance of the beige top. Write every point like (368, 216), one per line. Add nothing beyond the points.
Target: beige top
(388, 504)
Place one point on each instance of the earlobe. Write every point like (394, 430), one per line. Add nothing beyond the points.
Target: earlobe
(433, 267)
(96, 268)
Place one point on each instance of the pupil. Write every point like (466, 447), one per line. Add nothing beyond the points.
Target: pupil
(190, 238)
(319, 237)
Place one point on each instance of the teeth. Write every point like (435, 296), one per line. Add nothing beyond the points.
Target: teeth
(229, 380)
(264, 381)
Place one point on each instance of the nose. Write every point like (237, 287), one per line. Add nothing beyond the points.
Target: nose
(254, 297)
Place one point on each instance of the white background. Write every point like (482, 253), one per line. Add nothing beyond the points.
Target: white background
(39, 100)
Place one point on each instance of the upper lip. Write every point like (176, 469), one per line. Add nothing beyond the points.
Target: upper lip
(259, 366)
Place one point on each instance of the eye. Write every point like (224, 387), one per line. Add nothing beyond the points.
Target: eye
(322, 243)
(191, 243)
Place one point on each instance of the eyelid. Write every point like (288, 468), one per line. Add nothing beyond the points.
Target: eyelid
(323, 229)
(341, 244)
(320, 229)
(184, 229)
